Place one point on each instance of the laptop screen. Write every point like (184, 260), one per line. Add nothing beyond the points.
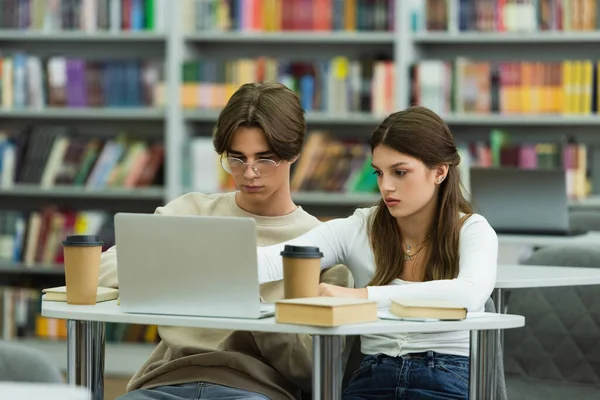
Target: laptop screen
(515, 200)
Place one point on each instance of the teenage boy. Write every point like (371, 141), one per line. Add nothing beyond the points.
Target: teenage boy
(259, 134)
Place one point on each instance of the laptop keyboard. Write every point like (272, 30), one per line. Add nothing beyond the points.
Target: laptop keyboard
(267, 307)
(267, 310)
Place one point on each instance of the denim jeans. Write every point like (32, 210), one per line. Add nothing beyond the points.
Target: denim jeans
(192, 391)
(419, 376)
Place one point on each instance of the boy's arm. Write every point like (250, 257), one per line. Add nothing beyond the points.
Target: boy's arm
(108, 268)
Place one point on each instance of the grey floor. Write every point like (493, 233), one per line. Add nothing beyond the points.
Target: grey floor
(526, 389)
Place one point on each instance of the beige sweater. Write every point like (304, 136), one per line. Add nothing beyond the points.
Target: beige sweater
(276, 365)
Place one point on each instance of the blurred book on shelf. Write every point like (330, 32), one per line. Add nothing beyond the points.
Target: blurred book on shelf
(505, 15)
(88, 15)
(503, 150)
(34, 238)
(53, 155)
(288, 15)
(569, 87)
(336, 86)
(29, 81)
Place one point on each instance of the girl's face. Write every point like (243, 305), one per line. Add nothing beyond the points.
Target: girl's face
(406, 184)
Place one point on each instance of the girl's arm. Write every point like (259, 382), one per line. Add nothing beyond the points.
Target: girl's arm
(478, 251)
(333, 238)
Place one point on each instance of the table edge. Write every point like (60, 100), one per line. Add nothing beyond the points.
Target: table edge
(510, 321)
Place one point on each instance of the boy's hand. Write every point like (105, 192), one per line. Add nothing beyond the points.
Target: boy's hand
(327, 290)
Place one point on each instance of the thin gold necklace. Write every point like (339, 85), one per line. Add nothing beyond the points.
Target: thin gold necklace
(407, 255)
(410, 257)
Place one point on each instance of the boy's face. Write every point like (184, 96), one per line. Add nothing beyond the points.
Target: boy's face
(269, 174)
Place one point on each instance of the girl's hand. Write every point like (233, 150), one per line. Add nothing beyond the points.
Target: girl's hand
(327, 290)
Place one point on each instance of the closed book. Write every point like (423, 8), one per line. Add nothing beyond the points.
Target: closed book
(420, 309)
(60, 294)
(325, 311)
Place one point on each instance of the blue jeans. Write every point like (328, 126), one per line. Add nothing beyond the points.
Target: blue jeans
(192, 391)
(419, 376)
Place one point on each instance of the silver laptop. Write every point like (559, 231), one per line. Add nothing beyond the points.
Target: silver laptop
(517, 201)
(188, 265)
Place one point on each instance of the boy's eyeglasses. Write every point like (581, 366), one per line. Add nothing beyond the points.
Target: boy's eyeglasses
(262, 168)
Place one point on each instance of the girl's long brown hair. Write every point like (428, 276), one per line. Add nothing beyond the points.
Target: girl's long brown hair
(420, 133)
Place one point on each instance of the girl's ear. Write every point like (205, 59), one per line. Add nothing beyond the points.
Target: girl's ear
(441, 171)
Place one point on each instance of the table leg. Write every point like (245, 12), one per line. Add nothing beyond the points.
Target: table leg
(499, 297)
(482, 375)
(85, 356)
(327, 367)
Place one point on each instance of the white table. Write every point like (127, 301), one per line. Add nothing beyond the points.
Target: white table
(85, 342)
(517, 276)
(46, 391)
(511, 245)
(530, 276)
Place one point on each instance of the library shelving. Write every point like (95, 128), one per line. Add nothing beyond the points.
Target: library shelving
(84, 114)
(545, 46)
(312, 117)
(303, 37)
(69, 191)
(490, 38)
(368, 33)
(95, 37)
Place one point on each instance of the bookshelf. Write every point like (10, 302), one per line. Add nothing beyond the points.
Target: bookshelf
(554, 38)
(16, 35)
(317, 38)
(315, 118)
(175, 45)
(85, 114)
(524, 35)
(75, 192)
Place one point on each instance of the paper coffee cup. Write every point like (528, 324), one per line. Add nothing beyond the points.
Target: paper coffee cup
(82, 267)
(301, 271)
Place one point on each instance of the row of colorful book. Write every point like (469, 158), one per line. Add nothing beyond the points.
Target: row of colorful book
(503, 149)
(33, 82)
(568, 87)
(288, 15)
(336, 86)
(34, 238)
(334, 165)
(86, 16)
(505, 15)
(24, 321)
(53, 155)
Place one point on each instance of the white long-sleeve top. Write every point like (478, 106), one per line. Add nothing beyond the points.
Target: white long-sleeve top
(345, 241)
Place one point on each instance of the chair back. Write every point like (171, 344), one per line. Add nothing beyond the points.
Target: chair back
(559, 341)
(19, 363)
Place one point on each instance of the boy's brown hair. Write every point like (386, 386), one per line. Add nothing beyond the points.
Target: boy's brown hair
(272, 107)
